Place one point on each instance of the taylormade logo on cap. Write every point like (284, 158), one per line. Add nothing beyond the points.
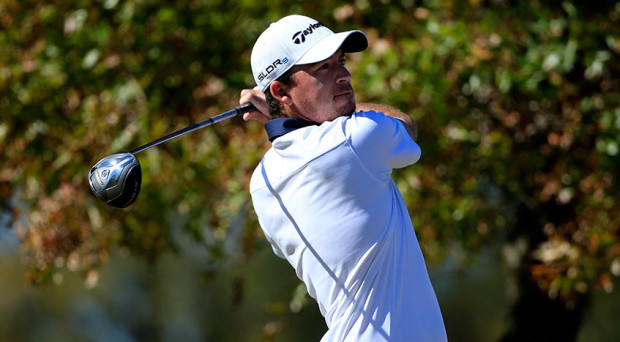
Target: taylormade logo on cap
(300, 36)
(296, 40)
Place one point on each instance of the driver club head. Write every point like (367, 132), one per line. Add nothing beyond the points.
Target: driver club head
(116, 179)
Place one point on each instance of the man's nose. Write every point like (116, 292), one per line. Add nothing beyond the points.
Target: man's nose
(344, 76)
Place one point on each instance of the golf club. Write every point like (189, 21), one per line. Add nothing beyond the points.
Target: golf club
(116, 179)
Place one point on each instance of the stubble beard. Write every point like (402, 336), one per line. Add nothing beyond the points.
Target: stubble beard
(349, 111)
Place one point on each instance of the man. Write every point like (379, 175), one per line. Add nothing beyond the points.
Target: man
(323, 193)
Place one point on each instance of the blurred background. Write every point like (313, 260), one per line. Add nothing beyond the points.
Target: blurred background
(515, 201)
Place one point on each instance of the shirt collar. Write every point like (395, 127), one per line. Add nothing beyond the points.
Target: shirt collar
(278, 127)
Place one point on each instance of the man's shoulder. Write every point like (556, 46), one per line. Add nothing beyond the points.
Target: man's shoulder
(378, 138)
(371, 123)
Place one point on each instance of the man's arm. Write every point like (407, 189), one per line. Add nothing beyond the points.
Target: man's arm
(410, 125)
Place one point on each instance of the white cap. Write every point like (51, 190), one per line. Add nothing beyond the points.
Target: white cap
(295, 40)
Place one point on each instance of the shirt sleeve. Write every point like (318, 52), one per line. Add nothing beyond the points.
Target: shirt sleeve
(381, 141)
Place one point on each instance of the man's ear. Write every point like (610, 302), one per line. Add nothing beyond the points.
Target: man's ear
(279, 91)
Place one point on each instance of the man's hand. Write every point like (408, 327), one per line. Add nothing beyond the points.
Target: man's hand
(257, 98)
(410, 125)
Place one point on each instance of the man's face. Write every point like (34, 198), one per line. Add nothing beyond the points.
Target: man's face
(322, 91)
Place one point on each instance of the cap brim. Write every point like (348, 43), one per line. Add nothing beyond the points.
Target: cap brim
(350, 41)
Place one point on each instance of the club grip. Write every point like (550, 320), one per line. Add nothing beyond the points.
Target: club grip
(248, 107)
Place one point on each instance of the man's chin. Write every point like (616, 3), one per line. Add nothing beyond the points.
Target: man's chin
(349, 110)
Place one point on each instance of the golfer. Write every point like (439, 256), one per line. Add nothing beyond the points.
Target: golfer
(323, 193)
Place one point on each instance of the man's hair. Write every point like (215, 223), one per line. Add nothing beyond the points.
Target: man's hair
(275, 107)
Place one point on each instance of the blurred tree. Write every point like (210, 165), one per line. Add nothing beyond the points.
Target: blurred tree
(518, 104)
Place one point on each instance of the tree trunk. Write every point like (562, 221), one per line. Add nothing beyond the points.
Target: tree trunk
(537, 318)
(534, 316)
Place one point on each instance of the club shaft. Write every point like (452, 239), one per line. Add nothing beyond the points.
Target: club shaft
(208, 122)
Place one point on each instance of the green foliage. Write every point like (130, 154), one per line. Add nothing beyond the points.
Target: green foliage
(518, 108)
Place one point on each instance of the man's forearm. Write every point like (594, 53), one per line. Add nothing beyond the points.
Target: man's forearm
(410, 125)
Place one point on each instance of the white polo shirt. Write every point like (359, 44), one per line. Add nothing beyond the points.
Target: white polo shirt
(326, 202)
